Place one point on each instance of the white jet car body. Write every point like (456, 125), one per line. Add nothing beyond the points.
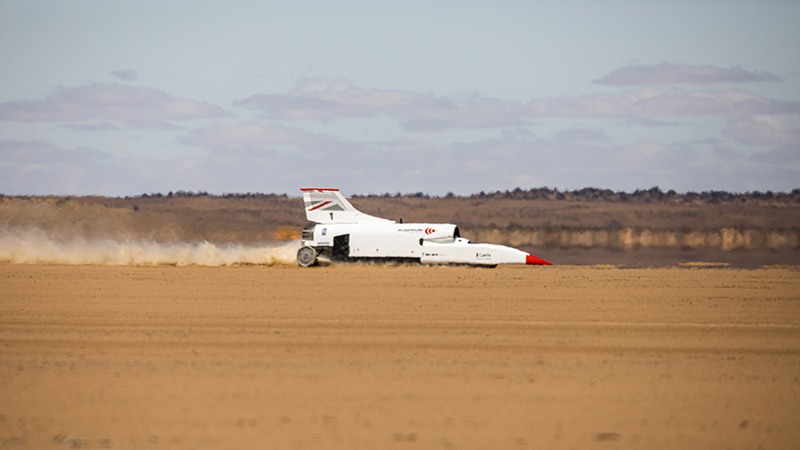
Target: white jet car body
(344, 233)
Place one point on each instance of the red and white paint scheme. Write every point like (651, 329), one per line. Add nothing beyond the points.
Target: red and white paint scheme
(343, 233)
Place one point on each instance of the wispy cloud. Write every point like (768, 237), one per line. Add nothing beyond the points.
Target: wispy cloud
(784, 156)
(327, 99)
(667, 73)
(36, 152)
(101, 126)
(239, 159)
(126, 75)
(253, 135)
(108, 102)
(651, 123)
(765, 130)
(268, 155)
(40, 168)
(582, 134)
(662, 102)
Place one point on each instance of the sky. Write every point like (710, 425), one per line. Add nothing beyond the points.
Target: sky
(124, 98)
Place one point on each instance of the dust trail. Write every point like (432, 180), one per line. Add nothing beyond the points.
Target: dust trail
(35, 246)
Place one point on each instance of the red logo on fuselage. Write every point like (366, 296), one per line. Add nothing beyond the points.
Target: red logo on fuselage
(429, 231)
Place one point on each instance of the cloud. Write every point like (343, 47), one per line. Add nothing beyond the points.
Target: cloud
(246, 159)
(765, 130)
(153, 125)
(667, 73)
(563, 157)
(253, 135)
(661, 102)
(101, 126)
(126, 75)
(564, 163)
(36, 152)
(108, 102)
(40, 168)
(110, 126)
(582, 134)
(326, 99)
(785, 156)
(651, 123)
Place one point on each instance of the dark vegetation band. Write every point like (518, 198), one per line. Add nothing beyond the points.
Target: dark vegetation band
(589, 194)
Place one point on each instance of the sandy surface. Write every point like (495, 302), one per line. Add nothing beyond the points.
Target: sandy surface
(399, 357)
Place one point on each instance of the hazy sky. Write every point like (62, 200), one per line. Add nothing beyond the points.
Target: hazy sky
(123, 98)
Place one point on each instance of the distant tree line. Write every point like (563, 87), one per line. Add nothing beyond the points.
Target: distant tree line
(171, 194)
(589, 194)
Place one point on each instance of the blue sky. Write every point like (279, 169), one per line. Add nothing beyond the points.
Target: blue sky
(124, 98)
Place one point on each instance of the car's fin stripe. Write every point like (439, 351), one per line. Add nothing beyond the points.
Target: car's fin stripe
(320, 205)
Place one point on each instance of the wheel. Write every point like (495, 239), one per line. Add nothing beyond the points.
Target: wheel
(306, 257)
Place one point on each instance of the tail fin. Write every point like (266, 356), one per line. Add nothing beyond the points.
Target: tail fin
(329, 206)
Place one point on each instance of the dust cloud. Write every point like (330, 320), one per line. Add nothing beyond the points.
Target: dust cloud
(76, 232)
(36, 246)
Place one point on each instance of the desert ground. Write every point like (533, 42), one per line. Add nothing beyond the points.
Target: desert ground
(367, 357)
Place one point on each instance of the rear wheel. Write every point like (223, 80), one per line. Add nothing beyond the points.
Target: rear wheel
(306, 257)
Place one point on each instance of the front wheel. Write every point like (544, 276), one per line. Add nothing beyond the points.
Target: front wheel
(306, 257)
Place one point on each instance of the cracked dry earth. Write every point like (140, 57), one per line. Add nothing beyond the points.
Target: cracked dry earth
(398, 357)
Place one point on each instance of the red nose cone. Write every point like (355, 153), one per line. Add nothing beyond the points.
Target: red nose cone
(530, 259)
